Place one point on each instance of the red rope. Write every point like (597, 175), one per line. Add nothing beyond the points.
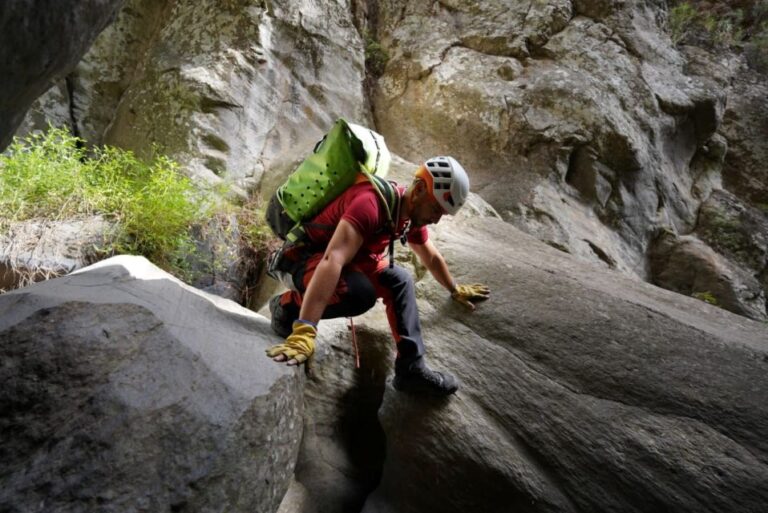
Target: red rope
(354, 343)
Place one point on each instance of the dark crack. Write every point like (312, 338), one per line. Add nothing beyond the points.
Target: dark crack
(70, 85)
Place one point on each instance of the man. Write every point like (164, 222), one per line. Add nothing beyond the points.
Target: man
(343, 271)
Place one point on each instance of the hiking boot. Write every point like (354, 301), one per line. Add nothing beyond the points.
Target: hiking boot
(420, 379)
(282, 318)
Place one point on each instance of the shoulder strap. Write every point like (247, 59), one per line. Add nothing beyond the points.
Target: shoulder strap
(388, 196)
(391, 198)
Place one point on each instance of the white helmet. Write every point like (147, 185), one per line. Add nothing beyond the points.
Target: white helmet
(447, 181)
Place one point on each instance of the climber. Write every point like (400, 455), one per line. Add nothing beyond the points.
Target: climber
(343, 271)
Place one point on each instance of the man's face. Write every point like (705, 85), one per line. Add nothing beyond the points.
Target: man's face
(426, 210)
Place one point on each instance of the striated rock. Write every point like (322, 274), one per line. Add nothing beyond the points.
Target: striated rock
(37, 250)
(576, 120)
(228, 89)
(689, 266)
(582, 390)
(126, 390)
(736, 230)
(745, 126)
(40, 45)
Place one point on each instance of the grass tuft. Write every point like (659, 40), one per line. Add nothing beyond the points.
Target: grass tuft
(152, 205)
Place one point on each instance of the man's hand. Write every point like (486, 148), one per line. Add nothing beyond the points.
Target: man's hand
(468, 295)
(298, 347)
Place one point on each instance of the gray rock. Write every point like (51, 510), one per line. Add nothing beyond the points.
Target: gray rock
(576, 120)
(689, 266)
(737, 230)
(40, 45)
(342, 450)
(745, 126)
(126, 390)
(228, 90)
(582, 390)
(36, 250)
(579, 121)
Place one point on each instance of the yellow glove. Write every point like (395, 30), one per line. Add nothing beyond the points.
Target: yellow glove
(298, 347)
(467, 295)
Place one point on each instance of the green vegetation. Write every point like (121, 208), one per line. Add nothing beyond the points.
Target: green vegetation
(152, 206)
(726, 234)
(707, 297)
(739, 23)
(682, 19)
(758, 46)
(376, 56)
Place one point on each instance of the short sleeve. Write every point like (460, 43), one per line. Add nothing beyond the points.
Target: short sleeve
(418, 235)
(362, 212)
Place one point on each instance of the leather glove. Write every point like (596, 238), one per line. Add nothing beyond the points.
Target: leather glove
(298, 347)
(467, 295)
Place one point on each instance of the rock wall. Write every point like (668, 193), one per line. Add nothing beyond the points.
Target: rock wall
(580, 121)
(39, 45)
(228, 89)
(576, 118)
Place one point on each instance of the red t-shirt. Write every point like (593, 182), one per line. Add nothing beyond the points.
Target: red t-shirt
(360, 206)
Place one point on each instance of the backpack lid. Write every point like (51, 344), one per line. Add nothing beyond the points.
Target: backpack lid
(378, 157)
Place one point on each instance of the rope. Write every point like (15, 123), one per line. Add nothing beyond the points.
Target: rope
(354, 343)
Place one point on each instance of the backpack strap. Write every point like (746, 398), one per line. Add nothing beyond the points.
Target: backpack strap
(296, 234)
(391, 199)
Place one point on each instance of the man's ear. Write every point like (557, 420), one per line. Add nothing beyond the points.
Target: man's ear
(419, 187)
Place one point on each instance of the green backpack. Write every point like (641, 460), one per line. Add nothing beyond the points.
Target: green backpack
(336, 163)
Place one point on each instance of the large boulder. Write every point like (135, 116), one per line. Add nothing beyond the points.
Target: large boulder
(126, 390)
(736, 230)
(40, 249)
(582, 390)
(687, 265)
(42, 40)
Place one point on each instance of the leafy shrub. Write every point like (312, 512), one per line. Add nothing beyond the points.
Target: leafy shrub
(151, 204)
(707, 297)
(720, 23)
(681, 19)
(376, 56)
(757, 48)
(726, 30)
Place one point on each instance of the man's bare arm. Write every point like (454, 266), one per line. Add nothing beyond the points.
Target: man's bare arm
(431, 258)
(342, 248)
